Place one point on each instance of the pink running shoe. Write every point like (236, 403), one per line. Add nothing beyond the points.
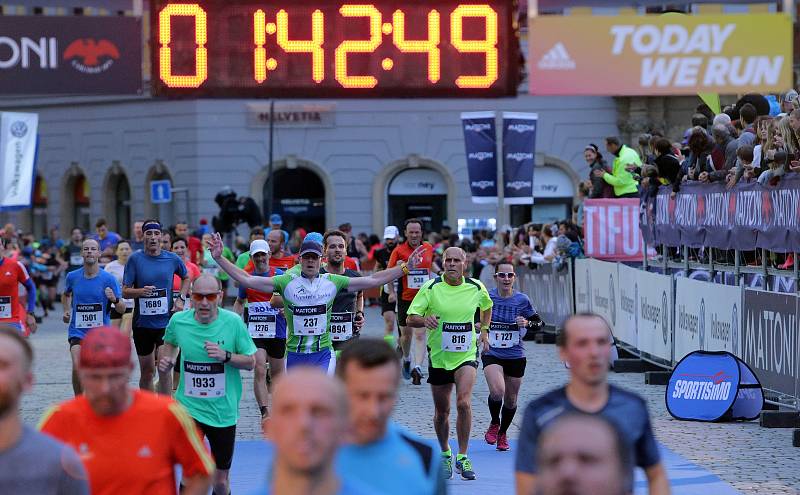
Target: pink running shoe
(502, 442)
(491, 434)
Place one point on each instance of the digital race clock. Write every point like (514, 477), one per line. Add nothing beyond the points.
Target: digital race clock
(327, 48)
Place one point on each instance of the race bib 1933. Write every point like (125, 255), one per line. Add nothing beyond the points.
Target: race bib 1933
(309, 321)
(156, 304)
(88, 315)
(341, 326)
(503, 335)
(203, 380)
(456, 337)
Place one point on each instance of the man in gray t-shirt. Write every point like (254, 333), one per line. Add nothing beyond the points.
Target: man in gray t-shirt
(31, 463)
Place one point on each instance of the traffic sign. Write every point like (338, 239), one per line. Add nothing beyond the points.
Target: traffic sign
(160, 191)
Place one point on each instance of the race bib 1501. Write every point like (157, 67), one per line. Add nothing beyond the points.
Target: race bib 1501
(88, 315)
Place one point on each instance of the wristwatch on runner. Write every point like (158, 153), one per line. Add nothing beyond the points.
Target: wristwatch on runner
(228, 356)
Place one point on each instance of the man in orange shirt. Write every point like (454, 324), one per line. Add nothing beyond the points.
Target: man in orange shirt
(278, 258)
(410, 285)
(129, 440)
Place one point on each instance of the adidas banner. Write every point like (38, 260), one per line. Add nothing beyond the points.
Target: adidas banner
(519, 151)
(480, 141)
(17, 159)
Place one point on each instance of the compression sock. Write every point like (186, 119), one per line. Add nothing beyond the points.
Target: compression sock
(264, 410)
(390, 340)
(494, 410)
(508, 415)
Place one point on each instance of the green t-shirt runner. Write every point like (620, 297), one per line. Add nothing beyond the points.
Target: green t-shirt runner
(208, 389)
(454, 341)
(307, 305)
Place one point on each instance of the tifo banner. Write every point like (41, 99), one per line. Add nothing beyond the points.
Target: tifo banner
(480, 141)
(583, 277)
(604, 290)
(770, 339)
(550, 291)
(17, 158)
(70, 55)
(660, 54)
(655, 314)
(519, 151)
(707, 317)
(627, 327)
(744, 217)
(611, 229)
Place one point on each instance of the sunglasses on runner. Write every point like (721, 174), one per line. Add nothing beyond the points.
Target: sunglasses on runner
(504, 274)
(197, 297)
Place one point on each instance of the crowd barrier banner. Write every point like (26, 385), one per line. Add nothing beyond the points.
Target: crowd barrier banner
(550, 291)
(611, 229)
(627, 327)
(655, 314)
(603, 275)
(583, 288)
(707, 317)
(745, 217)
(770, 339)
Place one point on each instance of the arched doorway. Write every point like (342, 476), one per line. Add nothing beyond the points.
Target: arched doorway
(298, 197)
(163, 212)
(39, 208)
(118, 201)
(420, 193)
(75, 202)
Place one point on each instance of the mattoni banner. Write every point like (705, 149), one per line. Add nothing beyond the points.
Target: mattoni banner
(480, 141)
(611, 229)
(17, 158)
(770, 339)
(519, 151)
(707, 317)
(655, 314)
(667, 54)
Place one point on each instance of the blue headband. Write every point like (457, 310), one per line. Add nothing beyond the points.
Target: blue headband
(151, 226)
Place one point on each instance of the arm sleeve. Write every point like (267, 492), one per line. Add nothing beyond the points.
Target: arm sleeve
(421, 301)
(31, 288)
(647, 453)
(188, 448)
(526, 445)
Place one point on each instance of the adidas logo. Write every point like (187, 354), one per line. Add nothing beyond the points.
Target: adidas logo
(145, 452)
(557, 59)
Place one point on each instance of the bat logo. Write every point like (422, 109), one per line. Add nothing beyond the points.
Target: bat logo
(91, 56)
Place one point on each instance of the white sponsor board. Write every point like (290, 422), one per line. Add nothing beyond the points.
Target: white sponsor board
(17, 157)
(583, 276)
(626, 329)
(707, 317)
(604, 290)
(655, 314)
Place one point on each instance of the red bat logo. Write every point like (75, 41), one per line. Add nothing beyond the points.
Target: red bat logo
(90, 50)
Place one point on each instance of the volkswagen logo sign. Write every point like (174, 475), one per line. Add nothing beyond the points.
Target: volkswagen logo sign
(664, 319)
(612, 301)
(636, 307)
(735, 331)
(19, 129)
(588, 291)
(701, 324)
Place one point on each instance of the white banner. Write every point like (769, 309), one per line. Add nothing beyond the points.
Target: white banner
(17, 157)
(627, 329)
(604, 290)
(707, 317)
(583, 288)
(655, 313)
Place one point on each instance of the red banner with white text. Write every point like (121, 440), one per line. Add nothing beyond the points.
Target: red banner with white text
(611, 229)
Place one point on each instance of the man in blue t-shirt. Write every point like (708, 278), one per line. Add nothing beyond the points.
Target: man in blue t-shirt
(148, 279)
(383, 456)
(106, 239)
(585, 345)
(87, 294)
(503, 355)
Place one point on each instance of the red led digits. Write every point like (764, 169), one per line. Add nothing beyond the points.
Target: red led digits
(429, 46)
(358, 46)
(487, 45)
(312, 46)
(200, 39)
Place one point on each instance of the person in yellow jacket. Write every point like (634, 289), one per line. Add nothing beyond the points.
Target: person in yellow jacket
(621, 178)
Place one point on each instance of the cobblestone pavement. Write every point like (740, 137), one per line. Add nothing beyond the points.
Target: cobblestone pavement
(752, 459)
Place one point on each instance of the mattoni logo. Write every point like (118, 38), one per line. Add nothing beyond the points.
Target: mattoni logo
(481, 155)
(519, 184)
(19, 129)
(522, 128)
(478, 127)
(482, 184)
(557, 59)
(95, 56)
(519, 156)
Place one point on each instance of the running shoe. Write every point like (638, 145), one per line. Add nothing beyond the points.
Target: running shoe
(447, 467)
(502, 442)
(464, 466)
(416, 376)
(491, 434)
(407, 370)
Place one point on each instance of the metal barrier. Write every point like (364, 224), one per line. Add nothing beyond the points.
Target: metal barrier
(550, 290)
